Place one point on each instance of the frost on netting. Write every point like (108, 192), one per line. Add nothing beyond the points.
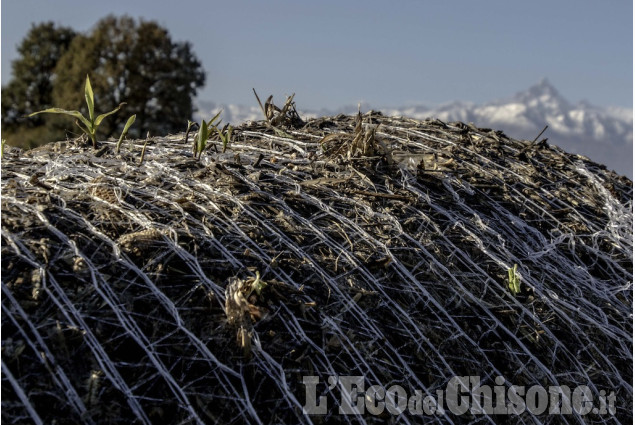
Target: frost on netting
(202, 291)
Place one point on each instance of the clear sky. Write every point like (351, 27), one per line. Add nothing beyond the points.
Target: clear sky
(387, 53)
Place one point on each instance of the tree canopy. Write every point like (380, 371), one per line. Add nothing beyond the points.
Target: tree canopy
(31, 88)
(128, 61)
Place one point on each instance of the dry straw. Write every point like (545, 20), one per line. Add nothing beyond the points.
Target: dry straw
(182, 290)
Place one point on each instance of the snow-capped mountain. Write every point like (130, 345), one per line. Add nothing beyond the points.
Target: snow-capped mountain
(603, 134)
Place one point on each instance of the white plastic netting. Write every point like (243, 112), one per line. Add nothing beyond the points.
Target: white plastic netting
(130, 291)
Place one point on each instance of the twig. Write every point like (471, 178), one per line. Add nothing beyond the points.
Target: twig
(257, 163)
(143, 151)
(261, 107)
(540, 134)
(382, 195)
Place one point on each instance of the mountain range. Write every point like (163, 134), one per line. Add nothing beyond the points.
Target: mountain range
(604, 134)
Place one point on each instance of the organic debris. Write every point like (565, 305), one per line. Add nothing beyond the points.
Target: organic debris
(275, 117)
(183, 290)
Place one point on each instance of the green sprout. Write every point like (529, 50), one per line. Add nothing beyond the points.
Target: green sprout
(87, 125)
(258, 285)
(225, 135)
(190, 124)
(200, 141)
(513, 280)
(4, 141)
(125, 130)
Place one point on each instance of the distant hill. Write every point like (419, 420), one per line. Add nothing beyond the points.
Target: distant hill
(603, 134)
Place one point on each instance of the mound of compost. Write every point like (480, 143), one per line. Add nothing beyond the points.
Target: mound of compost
(156, 288)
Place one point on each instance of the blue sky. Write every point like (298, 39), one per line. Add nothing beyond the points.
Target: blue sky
(332, 53)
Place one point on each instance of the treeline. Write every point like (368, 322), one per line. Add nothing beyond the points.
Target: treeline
(127, 60)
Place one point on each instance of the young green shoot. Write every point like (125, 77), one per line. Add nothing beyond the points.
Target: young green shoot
(190, 124)
(513, 281)
(87, 125)
(225, 135)
(257, 285)
(4, 141)
(200, 141)
(125, 130)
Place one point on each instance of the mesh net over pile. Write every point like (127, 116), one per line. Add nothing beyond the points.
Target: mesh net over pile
(182, 290)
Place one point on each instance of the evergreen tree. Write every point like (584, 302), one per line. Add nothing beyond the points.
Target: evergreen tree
(136, 63)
